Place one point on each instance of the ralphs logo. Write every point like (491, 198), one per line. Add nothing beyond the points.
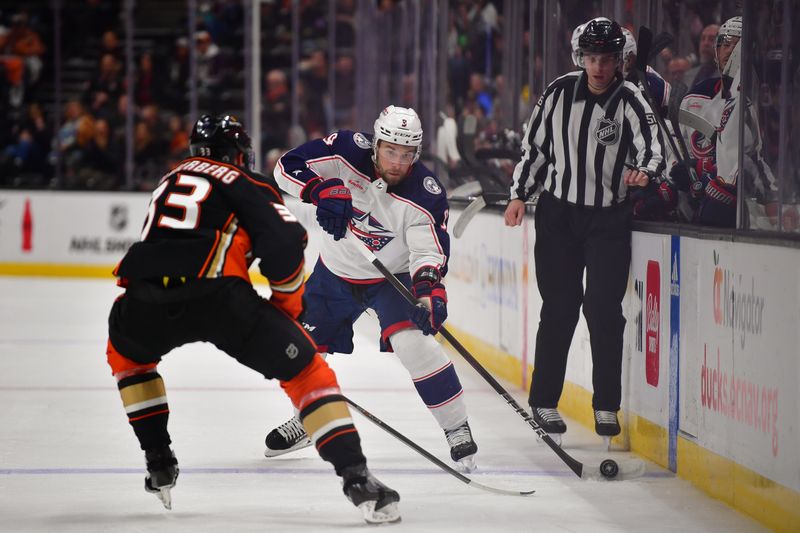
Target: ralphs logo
(652, 322)
(607, 131)
(736, 303)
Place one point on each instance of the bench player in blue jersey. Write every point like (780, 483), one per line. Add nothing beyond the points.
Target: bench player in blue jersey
(373, 185)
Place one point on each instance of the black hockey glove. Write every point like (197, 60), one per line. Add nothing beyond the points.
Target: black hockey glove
(334, 206)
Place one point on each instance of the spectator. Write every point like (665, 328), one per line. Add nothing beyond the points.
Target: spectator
(345, 92)
(177, 77)
(100, 161)
(277, 111)
(446, 135)
(677, 69)
(110, 45)
(146, 88)
(22, 157)
(13, 73)
(73, 156)
(106, 87)
(25, 43)
(209, 70)
(314, 73)
(707, 68)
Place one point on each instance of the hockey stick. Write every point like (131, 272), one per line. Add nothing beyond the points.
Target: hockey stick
(687, 118)
(644, 43)
(608, 469)
(660, 41)
(679, 90)
(472, 209)
(430, 457)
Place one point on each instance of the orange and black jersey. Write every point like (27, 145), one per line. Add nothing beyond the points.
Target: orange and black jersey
(208, 219)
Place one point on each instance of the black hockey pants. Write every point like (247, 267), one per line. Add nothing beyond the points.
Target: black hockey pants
(569, 240)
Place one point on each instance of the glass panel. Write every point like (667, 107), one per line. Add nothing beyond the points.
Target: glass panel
(770, 176)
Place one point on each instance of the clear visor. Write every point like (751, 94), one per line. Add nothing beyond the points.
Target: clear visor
(396, 154)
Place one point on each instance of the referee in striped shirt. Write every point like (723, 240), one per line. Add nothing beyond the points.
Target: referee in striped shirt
(590, 138)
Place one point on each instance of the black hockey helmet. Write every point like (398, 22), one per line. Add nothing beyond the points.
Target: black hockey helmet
(222, 139)
(601, 37)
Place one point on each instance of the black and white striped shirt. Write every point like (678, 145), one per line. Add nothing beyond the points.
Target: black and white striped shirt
(577, 143)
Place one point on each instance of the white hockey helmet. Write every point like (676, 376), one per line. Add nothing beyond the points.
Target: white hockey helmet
(630, 44)
(732, 28)
(576, 33)
(398, 125)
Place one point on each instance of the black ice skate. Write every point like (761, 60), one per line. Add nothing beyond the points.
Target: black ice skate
(288, 437)
(550, 421)
(377, 502)
(462, 447)
(606, 425)
(162, 473)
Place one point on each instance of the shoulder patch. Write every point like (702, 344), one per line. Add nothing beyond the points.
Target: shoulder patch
(361, 141)
(431, 186)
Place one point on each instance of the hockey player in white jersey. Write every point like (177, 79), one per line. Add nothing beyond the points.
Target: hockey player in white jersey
(374, 186)
(710, 123)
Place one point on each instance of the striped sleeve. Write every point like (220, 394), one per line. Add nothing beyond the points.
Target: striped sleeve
(648, 142)
(532, 168)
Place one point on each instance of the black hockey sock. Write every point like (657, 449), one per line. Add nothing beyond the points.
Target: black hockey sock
(145, 401)
(328, 423)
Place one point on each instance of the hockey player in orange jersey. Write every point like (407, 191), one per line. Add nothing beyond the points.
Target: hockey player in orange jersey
(187, 280)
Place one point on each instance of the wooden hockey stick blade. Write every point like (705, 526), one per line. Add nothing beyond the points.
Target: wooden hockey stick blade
(430, 457)
(687, 118)
(467, 215)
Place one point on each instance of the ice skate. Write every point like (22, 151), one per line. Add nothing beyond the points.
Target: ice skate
(462, 447)
(162, 473)
(288, 437)
(376, 501)
(550, 421)
(606, 425)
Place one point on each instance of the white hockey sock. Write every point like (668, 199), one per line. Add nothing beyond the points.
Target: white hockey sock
(434, 376)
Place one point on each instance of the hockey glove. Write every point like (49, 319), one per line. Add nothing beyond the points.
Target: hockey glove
(684, 174)
(718, 207)
(334, 206)
(431, 311)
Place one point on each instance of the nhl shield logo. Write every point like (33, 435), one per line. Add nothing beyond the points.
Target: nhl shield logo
(607, 131)
(118, 219)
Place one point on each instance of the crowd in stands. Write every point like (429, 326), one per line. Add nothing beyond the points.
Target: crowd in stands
(86, 146)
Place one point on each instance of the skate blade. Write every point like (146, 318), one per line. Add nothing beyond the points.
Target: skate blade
(466, 465)
(386, 514)
(629, 468)
(299, 446)
(165, 497)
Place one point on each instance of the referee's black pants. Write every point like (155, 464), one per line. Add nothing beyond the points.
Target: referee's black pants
(569, 240)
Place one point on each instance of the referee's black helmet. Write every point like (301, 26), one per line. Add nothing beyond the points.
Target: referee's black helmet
(601, 37)
(222, 139)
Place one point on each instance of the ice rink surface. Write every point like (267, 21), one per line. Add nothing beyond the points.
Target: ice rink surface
(69, 461)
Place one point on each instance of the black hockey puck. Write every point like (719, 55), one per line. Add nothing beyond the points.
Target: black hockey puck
(609, 469)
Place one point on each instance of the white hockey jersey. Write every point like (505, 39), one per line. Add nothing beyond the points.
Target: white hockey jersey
(405, 225)
(710, 122)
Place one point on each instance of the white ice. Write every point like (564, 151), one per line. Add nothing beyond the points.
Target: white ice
(69, 460)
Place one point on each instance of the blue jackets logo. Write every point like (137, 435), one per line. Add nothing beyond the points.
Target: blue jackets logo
(370, 231)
